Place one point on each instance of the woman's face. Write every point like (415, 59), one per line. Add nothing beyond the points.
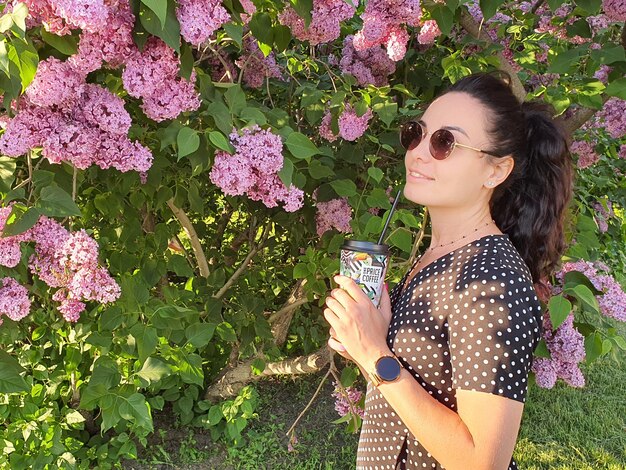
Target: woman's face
(459, 180)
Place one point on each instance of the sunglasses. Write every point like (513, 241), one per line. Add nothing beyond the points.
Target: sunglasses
(442, 141)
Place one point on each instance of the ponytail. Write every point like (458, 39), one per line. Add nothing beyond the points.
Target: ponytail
(530, 205)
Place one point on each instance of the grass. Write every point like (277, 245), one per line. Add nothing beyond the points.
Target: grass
(562, 428)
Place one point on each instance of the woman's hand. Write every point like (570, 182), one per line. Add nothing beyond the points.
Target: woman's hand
(357, 325)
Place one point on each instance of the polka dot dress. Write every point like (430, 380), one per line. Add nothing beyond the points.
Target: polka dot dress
(469, 320)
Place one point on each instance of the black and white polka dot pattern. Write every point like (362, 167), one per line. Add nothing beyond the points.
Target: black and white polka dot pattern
(469, 320)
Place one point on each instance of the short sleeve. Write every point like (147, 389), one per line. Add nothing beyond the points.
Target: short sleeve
(492, 333)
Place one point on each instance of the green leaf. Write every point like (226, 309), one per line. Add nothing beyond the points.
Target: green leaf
(253, 116)
(136, 410)
(258, 366)
(221, 115)
(301, 146)
(403, 239)
(261, 28)
(180, 265)
(146, 340)
(234, 32)
(559, 308)
(6, 22)
(186, 61)
(344, 187)
(573, 278)
(617, 88)
(221, 142)
(489, 7)
(542, 350)
(236, 99)
(286, 172)
(159, 7)
(7, 173)
(19, 221)
(67, 44)
(375, 173)
(282, 37)
(199, 334)
(609, 55)
(318, 171)
(190, 366)
(11, 380)
(19, 14)
(590, 6)
(26, 58)
(188, 141)
(226, 332)
(386, 111)
(170, 32)
(348, 376)
(444, 18)
(154, 370)
(215, 415)
(301, 271)
(593, 347)
(55, 202)
(567, 59)
(304, 9)
(585, 296)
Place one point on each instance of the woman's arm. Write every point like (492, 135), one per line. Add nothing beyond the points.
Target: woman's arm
(481, 436)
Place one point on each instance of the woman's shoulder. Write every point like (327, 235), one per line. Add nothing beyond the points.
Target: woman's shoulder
(496, 256)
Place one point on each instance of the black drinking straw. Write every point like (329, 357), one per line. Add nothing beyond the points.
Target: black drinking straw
(393, 208)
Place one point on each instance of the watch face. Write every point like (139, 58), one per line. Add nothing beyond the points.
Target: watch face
(388, 369)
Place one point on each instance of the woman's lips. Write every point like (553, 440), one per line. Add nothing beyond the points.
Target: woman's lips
(418, 176)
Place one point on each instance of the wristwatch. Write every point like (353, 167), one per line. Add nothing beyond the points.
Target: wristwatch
(386, 369)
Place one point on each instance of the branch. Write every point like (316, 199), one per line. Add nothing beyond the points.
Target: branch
(193, 236)
(420, 237)
(470, 25)
(536, 6)
(255, 249)
(580, 116)
(240, 375)
(308, 405)
(281, 319)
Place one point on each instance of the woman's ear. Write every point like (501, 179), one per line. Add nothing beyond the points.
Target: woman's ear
(501, 168)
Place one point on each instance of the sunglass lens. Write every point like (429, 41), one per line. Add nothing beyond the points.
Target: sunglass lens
(411, 135)
(441, 144)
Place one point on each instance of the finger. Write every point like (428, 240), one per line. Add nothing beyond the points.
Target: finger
(336, 345)
(342, 297)
(352, 288)
(336, 306)
(331, 317)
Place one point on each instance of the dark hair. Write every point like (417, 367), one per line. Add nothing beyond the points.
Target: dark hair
(530, 205)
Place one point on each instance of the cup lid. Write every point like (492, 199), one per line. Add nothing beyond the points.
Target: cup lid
(370, 247)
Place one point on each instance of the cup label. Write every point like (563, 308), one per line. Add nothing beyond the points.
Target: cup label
(368, 271)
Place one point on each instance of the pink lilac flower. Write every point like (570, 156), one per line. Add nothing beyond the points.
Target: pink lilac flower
(615, 9)
(10, 246)
(153, 76)
(43, 12)
(369, 67)
(429, 31)
(602, 215)
(586, 152)
(28, 129)
(55, 83)
(88, 15)
(199, 19)
(567, 350)
(324, 27)
(348, 398)
(255, 67)
(352, 126)
(222, 68)
(253, 169)
(112, 44)
(602, 73)
(250, 10)
(383, 23)
(101, 108)
(336, 214)
(622, 151)
(545, 372)
(612, 301)
(14, 301)
(71, 309)
(325, 128)
(612, 117)
(598, 23)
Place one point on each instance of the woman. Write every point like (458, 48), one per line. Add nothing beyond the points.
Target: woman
(447, 353)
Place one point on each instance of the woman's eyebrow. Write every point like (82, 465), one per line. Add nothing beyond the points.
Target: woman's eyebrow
(450, 128)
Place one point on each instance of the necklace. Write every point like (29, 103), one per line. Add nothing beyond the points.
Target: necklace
(431, 248)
